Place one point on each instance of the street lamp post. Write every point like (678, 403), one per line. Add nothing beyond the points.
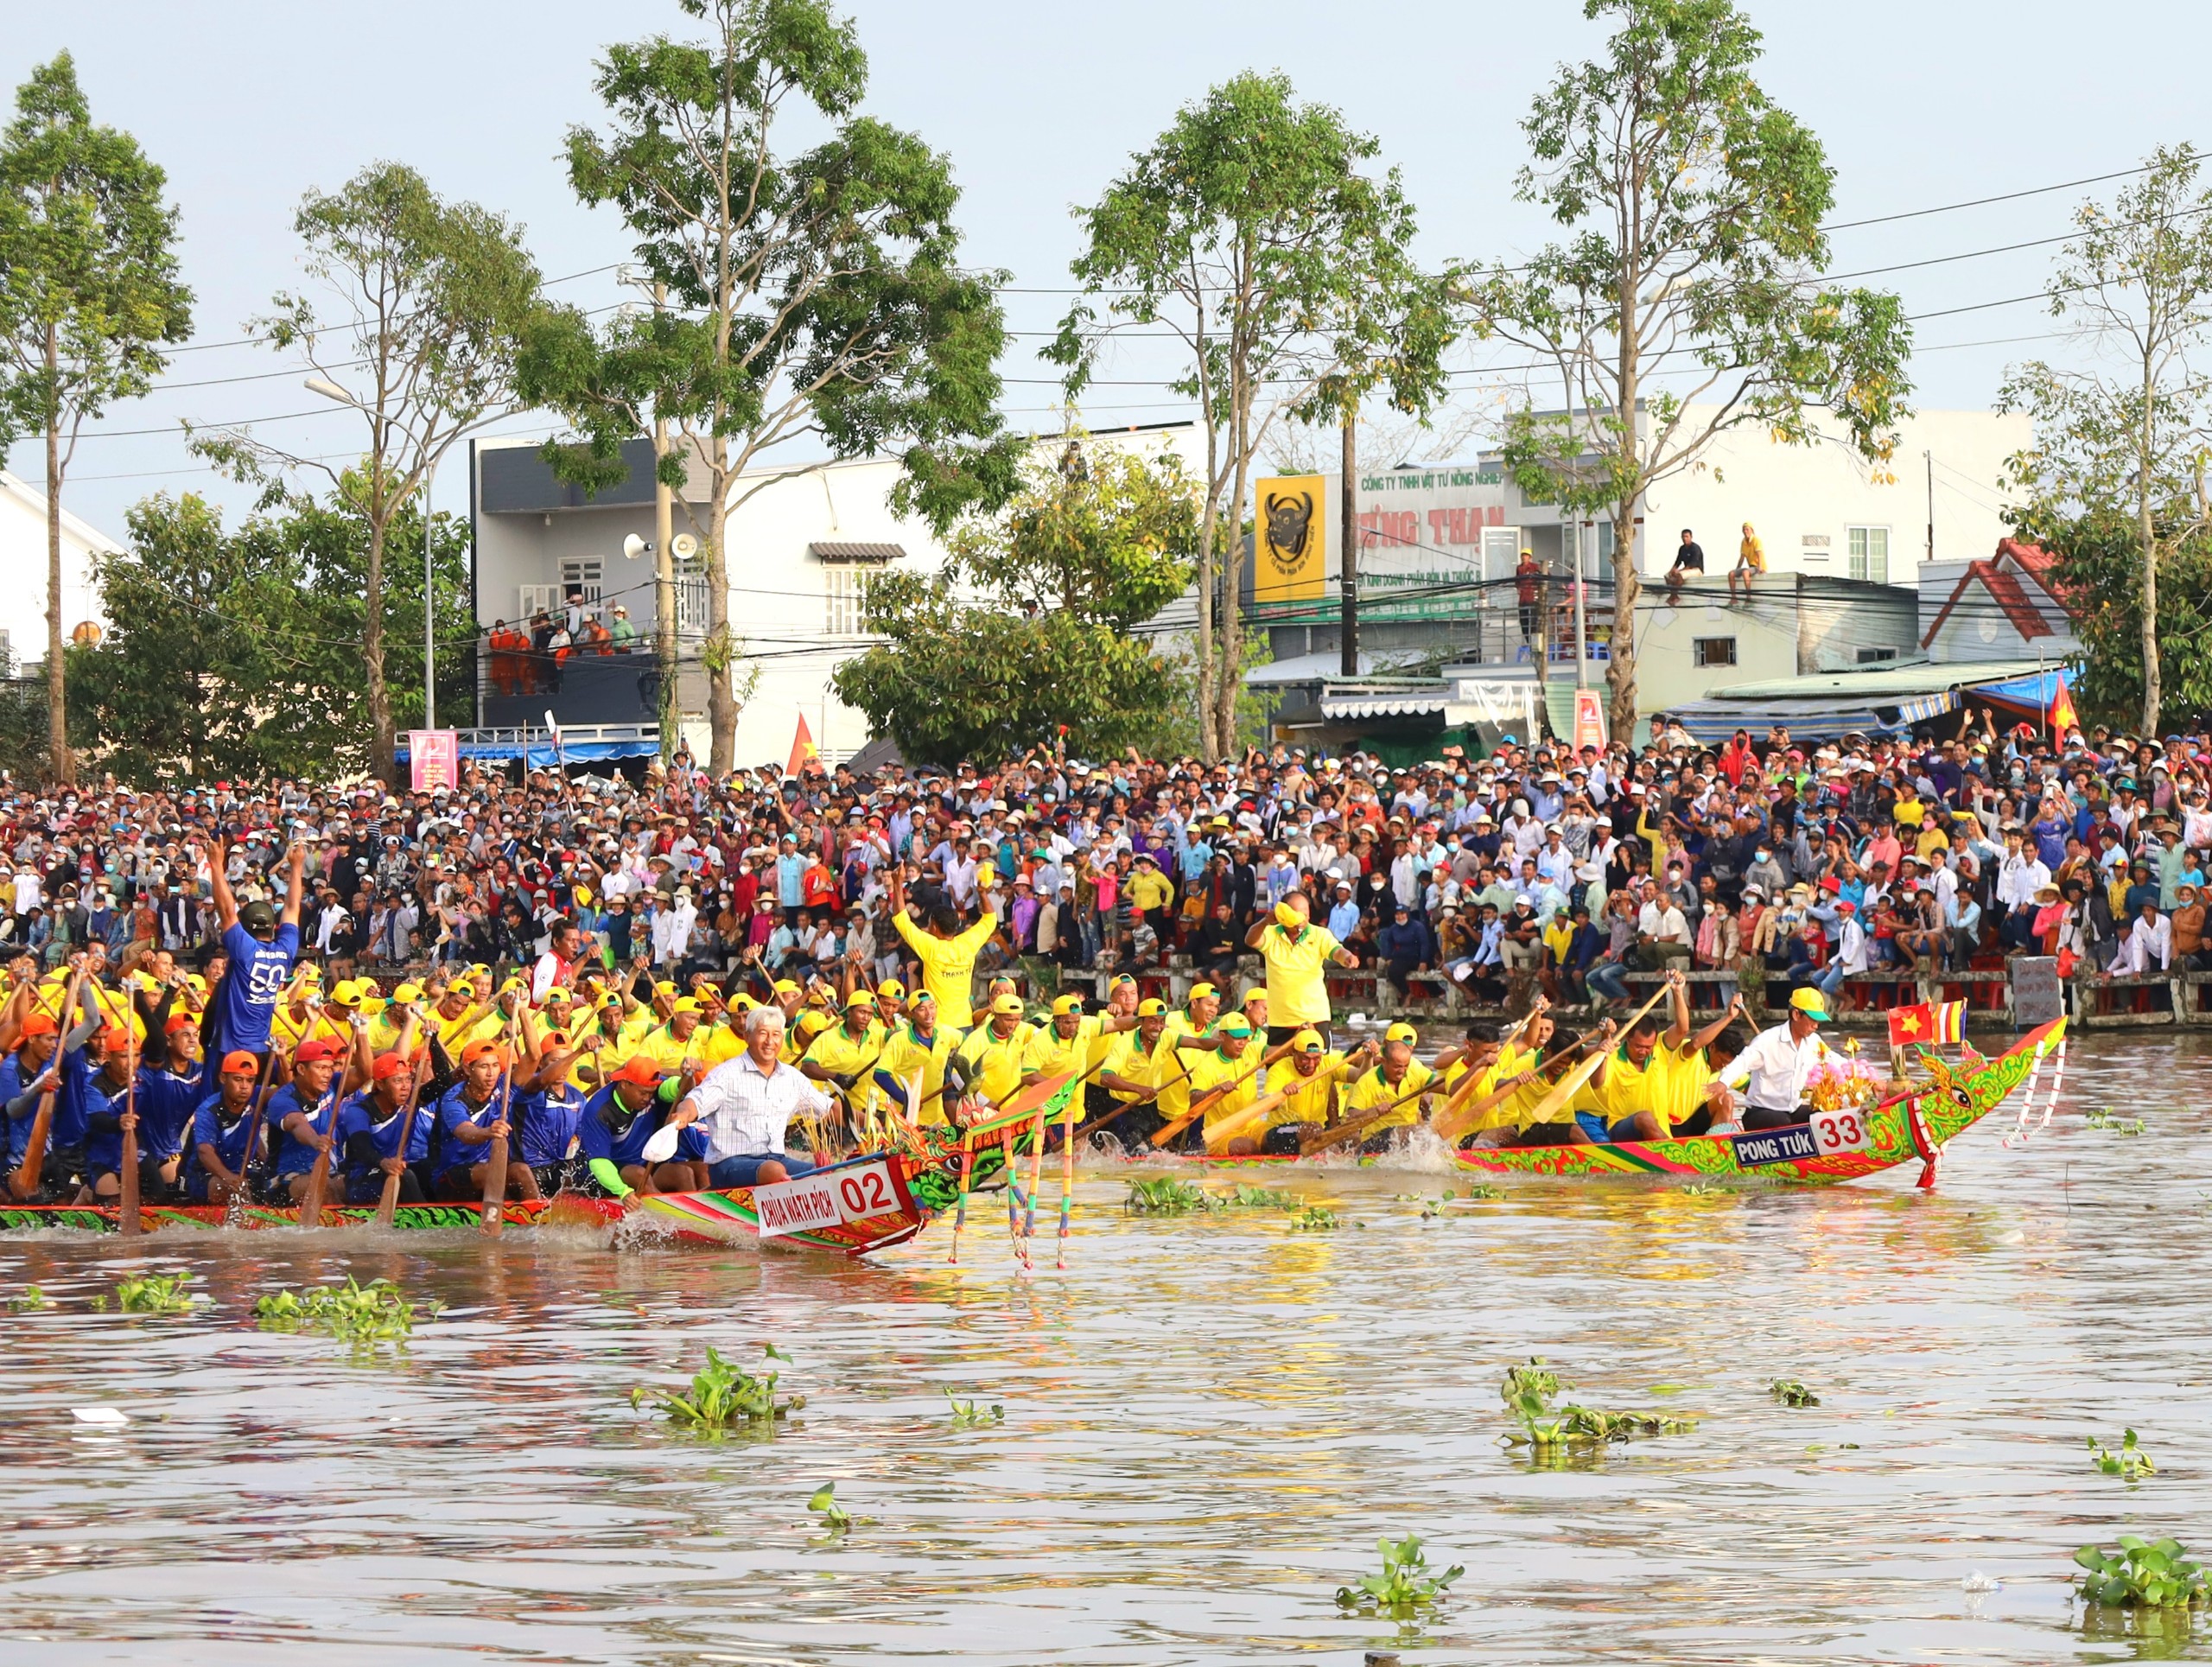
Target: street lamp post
(329, 390)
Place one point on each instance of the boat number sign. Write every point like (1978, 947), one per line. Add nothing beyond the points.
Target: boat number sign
(827, 1200)
(1763, 1146)
(1842, 1130)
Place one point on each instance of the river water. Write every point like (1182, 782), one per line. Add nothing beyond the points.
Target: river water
(1209, 1423)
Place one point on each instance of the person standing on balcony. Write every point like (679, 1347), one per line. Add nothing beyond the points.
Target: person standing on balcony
(1529, 589)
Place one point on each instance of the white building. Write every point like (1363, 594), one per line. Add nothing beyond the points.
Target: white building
(801, 551)
(2004, 609)
(24, 572)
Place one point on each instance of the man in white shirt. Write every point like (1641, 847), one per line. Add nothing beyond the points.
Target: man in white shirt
(1662, 931)
(1772, 1071)
(2148, 946)
(746, 1103)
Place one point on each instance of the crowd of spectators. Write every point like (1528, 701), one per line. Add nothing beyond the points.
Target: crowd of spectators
(1766, 861)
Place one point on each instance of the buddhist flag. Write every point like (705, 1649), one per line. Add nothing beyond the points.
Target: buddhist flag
(1940, 1021)
(803, 751)
(2063, 715)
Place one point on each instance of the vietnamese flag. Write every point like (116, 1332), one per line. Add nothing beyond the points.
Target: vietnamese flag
(803, 751)
(2063, 715)
(1911, 1024)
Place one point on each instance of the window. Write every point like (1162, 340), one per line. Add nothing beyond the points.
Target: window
(690, 577)
(1871, 656)
(844, 586)
(580, 579)
(1870, 554)
(1501, 552)
(1713, 651)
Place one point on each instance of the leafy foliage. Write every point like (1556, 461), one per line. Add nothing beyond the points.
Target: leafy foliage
(1528, 1392)
(2106, 1119)
(1028, 631)
(1244, 1197)
(1404, 1588)
(154, 1294)
(723, 1396)
(2115, 482)
(2129, 1462)
(2142, 1573)
(1314, 1218)
(1250, 231)
(237, 653)
(91, 297)
(1693, 207)
(30, 1300)
(363, 1315)
(825, 1502)
(967, 1414)
(429, 301)
(1791, 1393)
(1168, 1196)
(813, 297)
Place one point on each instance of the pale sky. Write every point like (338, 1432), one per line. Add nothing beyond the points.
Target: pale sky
(249, 104)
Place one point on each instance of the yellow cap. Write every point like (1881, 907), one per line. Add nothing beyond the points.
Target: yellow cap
(741, 1003)
(684, 1004)
(1402, 1033)
(1200, 990)
(786, 986)
(1286, 916)
(1063, 1005)
(1006, 1004)
(891, 990)
(1151, 1008)
(811, 1023)
(665, 987)
(1306, 1042)
(407, 993)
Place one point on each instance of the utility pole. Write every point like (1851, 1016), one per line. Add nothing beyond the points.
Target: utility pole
(1581, 623)
(663, 574)
(1930, 457)
(1348, 554)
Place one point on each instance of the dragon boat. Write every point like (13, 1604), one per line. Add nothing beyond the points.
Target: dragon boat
(1847, 1141)
(852, 1206)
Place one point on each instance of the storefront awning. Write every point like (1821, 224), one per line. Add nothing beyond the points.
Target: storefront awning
(1815, 718)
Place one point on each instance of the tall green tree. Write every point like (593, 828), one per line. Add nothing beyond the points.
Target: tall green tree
(425, 306)
(238, 652)
(2098, 569)
(2127, 436)
(1685, 301)
(88, 297)
(813, 296)
(1029, 630)
(1251, 229)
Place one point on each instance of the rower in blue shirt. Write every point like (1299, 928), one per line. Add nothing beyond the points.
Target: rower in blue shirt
(217, 1161)
(618, 1120)
(303, 1114)
(369, 1132)
(548, 1112)
(470, 1117)
(169, 1089)
(25, 1075)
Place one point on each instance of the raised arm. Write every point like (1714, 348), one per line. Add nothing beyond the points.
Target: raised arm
(226, 906)
(296, 886)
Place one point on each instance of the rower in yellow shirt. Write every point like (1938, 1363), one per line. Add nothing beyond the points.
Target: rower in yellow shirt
(1135, 1062)
(1305, 1095)
(1654, 1076)
(1224, 1081)
(915, 1052)
(844, 1055)
(1398, 1081)
(997, 1054)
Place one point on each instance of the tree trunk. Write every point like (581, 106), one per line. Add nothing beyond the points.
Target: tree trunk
(722, 699)
(384, 740)
(61, 767)
(1228, 664)
(2147, 534)
(1209, 565)
(1620, 662)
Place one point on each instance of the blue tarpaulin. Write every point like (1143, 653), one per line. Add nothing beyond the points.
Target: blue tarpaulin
(2033, 693)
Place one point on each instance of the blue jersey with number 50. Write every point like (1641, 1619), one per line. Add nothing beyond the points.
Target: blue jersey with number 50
(246, 1000)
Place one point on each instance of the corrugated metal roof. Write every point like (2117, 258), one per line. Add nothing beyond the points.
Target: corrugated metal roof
(855, 552)
(1884, 684)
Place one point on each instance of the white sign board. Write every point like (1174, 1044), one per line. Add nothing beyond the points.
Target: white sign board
(829, 1199)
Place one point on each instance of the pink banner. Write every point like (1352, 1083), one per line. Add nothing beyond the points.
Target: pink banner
(433, 756)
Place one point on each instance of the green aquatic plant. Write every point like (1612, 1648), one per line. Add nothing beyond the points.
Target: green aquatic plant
(2142, 1573)
(2105, 1117)
(966, 1414)
(825, 1504)
(1243, 1197)
(1701, 1189)
(1404, 1588)
(723, 1395)
(1485, 1189)
(363, 1315)
(1791, 1393)
(2128, 1461)
(1314, 1218)
(1168, 1197)
(29, 1302)
(154, 1294)
(1528, 1392)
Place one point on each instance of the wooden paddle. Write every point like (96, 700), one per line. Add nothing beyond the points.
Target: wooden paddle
(492, 1217)
(319, 1176)
(1198, 1107)
(1322, 1140)
(388, 1204)
(26, 1177)
(127, 1174)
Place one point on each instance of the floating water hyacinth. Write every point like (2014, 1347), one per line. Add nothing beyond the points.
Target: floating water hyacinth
(1404, 1588)
(723, 1396)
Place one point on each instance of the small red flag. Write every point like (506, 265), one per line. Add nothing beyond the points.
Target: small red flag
(1911, 1024)
(803, 751)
